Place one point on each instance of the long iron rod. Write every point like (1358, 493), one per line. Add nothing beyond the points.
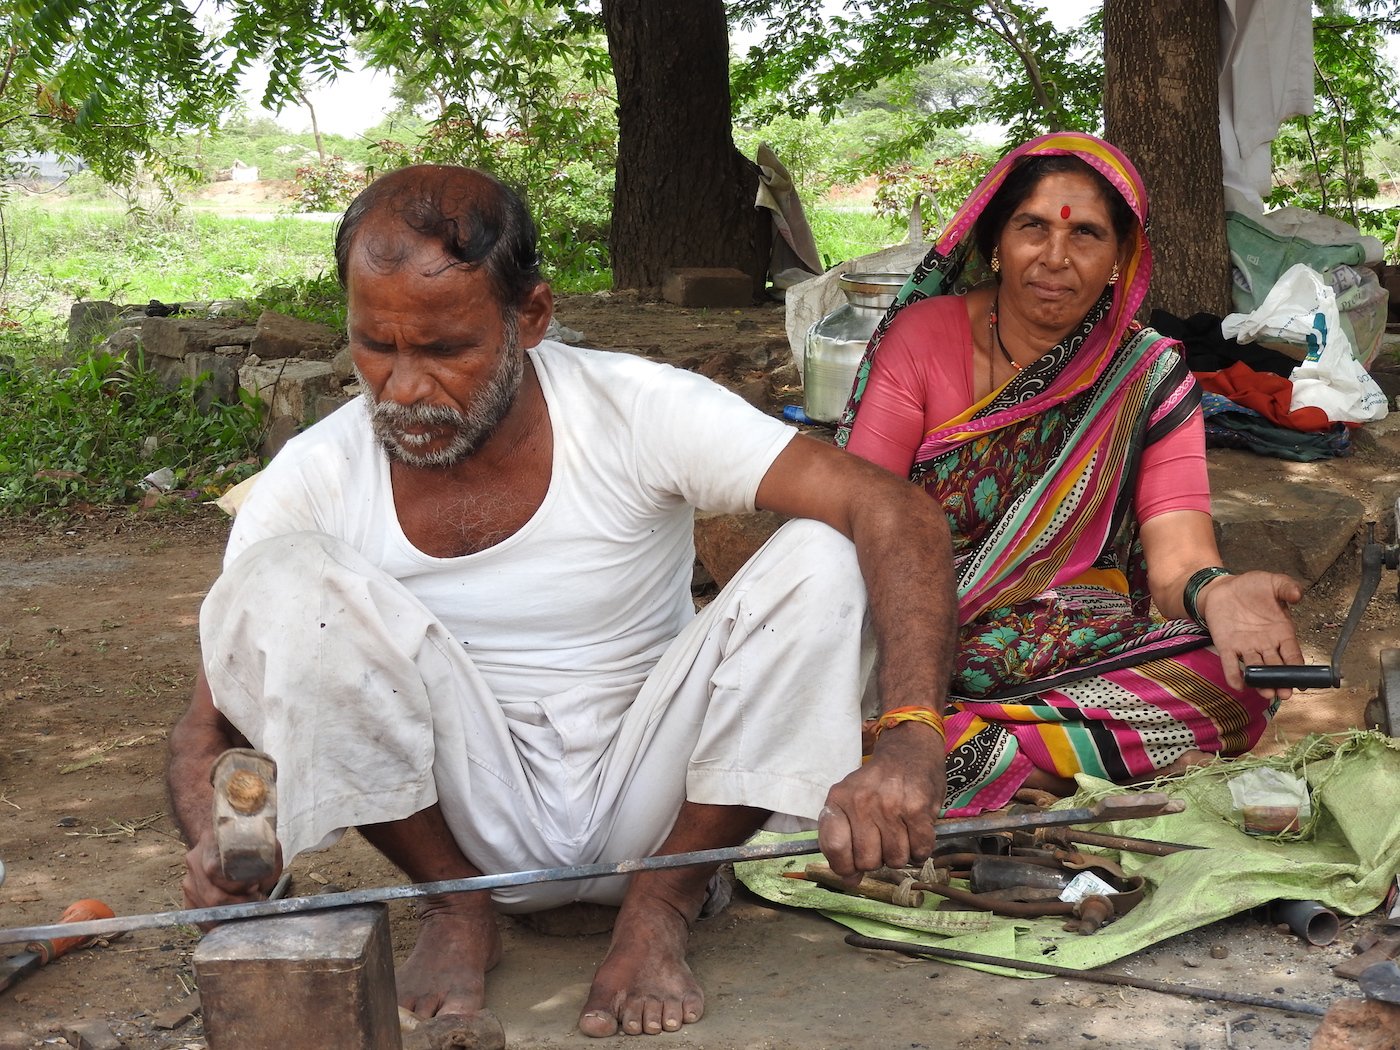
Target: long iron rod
(858, 940)
(765, 851)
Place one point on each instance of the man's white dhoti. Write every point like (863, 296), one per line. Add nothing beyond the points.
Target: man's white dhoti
(374, 712)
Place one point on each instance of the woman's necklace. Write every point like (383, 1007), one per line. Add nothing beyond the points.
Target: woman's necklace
(994, 336)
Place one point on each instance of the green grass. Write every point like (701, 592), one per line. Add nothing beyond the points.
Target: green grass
(83, 253)
(89, 433)
(851, 231)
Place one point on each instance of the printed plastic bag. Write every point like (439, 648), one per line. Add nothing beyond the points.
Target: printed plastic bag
(1302, 308)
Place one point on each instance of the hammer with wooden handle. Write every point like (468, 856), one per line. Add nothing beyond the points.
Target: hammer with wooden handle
(245, 814)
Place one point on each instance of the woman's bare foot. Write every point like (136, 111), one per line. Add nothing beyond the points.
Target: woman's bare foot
(644, 985)
(458, 943)
(1188, 760)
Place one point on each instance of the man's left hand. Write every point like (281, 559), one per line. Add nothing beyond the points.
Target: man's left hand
(884, 812)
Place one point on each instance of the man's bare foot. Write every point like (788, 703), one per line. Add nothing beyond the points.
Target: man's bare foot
(644, 985)
(458, 943)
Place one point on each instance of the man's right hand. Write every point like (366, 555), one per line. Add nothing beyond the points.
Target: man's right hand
(884, 812)
(205, 886)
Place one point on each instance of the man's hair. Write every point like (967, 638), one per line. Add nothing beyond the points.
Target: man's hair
(1021, 182)
(475, 219)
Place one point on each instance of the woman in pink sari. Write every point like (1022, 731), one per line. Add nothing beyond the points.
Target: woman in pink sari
(1066, 445)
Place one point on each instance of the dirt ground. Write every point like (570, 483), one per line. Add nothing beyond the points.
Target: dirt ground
(97, 651)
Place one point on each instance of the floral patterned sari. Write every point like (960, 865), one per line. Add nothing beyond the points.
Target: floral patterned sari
(1062, 665)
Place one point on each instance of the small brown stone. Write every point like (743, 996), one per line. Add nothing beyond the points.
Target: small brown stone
(1219, 952)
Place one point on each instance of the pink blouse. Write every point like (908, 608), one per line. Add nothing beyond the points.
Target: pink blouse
(922, 377)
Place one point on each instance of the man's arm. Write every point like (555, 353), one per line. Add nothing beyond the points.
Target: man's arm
(884, 812)
(200, 736)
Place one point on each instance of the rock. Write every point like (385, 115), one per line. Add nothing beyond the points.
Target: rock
(88, 322)
(290, 386)
(481, 1031)
(723, 542)
(1358, 1024)
(343, 364)
(125, 341)
(218, 379)
(1279, 525)
(92, 1035)
(279, 336)
(708, 286)
(326, 404)
(281, 430)
(178, 1014)
(178, 336)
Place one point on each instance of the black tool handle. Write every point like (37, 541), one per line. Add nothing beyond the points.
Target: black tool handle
(1292, 676)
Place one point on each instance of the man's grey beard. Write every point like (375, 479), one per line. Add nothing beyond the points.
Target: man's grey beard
(471, 429)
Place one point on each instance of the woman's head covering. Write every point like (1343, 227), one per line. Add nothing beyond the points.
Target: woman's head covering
(954, 265)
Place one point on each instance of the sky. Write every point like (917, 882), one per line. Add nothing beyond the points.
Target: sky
(359, 99)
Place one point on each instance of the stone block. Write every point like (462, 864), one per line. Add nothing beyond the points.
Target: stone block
(280, 430)
(1280, 526)
(320, 980)
(171, 371)
(89, 322)
(289, 387)
(278, 336)
(708, 286)
(91, 1035)
(177, 337)
(124, 342)
(344, 364)
(326, 404)
(1358, 1024)
(723, 542)
(219, 385)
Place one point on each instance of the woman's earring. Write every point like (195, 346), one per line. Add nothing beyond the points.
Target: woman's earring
(995, 263)
(1113, 277)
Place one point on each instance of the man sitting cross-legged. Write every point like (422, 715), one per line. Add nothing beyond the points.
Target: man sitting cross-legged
(457, 613)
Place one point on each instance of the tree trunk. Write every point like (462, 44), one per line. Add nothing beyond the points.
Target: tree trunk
(305, 100)
(1161, 108)
(684, 195)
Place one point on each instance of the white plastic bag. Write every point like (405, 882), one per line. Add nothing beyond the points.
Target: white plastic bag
(1301, 308)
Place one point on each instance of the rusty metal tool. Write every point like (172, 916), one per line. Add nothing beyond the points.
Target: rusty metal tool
(930, 951)
(1126, 843)
(1374, 557)
(902, 894)
(1115, 807)
(42, 951)
(245, 814)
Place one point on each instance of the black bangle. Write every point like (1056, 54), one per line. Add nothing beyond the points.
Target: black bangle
(1199, 579)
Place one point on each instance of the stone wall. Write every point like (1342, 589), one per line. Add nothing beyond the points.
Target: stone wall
(300, 370)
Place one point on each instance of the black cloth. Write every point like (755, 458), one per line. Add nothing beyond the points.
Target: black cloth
(1207, 350)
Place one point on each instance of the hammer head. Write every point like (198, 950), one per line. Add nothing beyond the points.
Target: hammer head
(245, 814)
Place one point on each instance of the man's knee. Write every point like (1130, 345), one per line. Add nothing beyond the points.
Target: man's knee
(811, 553)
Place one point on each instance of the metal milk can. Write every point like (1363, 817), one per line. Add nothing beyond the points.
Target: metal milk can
(836, 343)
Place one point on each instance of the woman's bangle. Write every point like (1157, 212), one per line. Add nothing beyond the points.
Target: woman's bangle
(1199, 579)
(922, 715)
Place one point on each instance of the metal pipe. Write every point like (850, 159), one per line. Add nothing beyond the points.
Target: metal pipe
(927, 950)
(1310, 920)
(1114, 807)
